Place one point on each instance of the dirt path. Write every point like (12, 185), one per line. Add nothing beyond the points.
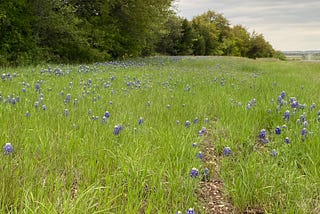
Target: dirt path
(212, 191)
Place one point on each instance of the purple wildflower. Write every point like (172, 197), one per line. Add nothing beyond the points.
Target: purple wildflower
(206, 120)
(196, 120)
(8, 149)
(66, 112)
(187, 124)
(44, 107)
(37, 86)
(203, 131)
(227, 151)
(266, 140)
(274, 153)
(287, 140)
(277, 130)
(117, 129)
(104, 119)
(283, 94)
(68, 98)
(305, 124)
(191, 211)
(107, 114)
(286, 115)
(262, 134)
(140, 121)
(194, 173)
(200, 155)
(27, 114)
(304, 132)
(194, 145)
(294, 104)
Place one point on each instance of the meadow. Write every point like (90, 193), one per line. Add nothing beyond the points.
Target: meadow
(131, 137)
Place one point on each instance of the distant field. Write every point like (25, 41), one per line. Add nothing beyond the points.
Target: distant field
(130, 137)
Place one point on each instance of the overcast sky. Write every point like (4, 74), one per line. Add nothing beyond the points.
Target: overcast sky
(287, 24)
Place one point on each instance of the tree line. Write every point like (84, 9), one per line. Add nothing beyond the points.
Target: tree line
(73, 31)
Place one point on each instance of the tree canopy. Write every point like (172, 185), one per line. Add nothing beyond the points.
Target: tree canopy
(73, 31)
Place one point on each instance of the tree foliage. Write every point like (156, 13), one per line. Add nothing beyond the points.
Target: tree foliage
(71, 31)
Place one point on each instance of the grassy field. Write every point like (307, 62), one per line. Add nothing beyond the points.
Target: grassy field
(115, 138)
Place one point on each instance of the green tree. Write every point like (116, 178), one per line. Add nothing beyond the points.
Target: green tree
(17, 44)
(242, 40)
(259, 47)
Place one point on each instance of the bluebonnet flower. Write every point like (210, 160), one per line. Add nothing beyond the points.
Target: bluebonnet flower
(27, 114)
(8, 149)
(283, 94)
(191, 211)
(68, 98)
(294, 104)
(24, 90)
(110, 102)
(305, 124)
(274, 153)
(277, 130)
(205, 174)
(13, 101)
(206, 120)
(194, 173)
(254, 101)
(313, 106)
(178, 212)
(319, 118)
(196, 120)
(44, 107)
(117, 129)
(187, 124)
(107, 114)
(3, 76)
(262, 134)
(287, 140)
(37, 86)
(200, 155)
(248, 106)
(203, 131)
(227, 151)
(265, 140)
(319, 113)
(89, 81)
(140, 121)
(194, 145)
(304, 132)
(286, 115)
(303, 117)
(66, 112)
(104, 119)
(36, 104)
(75, 102)
(280, 100)
(284, 126)
(177, 122)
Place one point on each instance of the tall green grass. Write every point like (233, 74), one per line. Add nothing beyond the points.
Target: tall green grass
(75, 164)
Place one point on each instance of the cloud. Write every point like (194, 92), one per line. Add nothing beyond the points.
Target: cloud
(287, 24)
